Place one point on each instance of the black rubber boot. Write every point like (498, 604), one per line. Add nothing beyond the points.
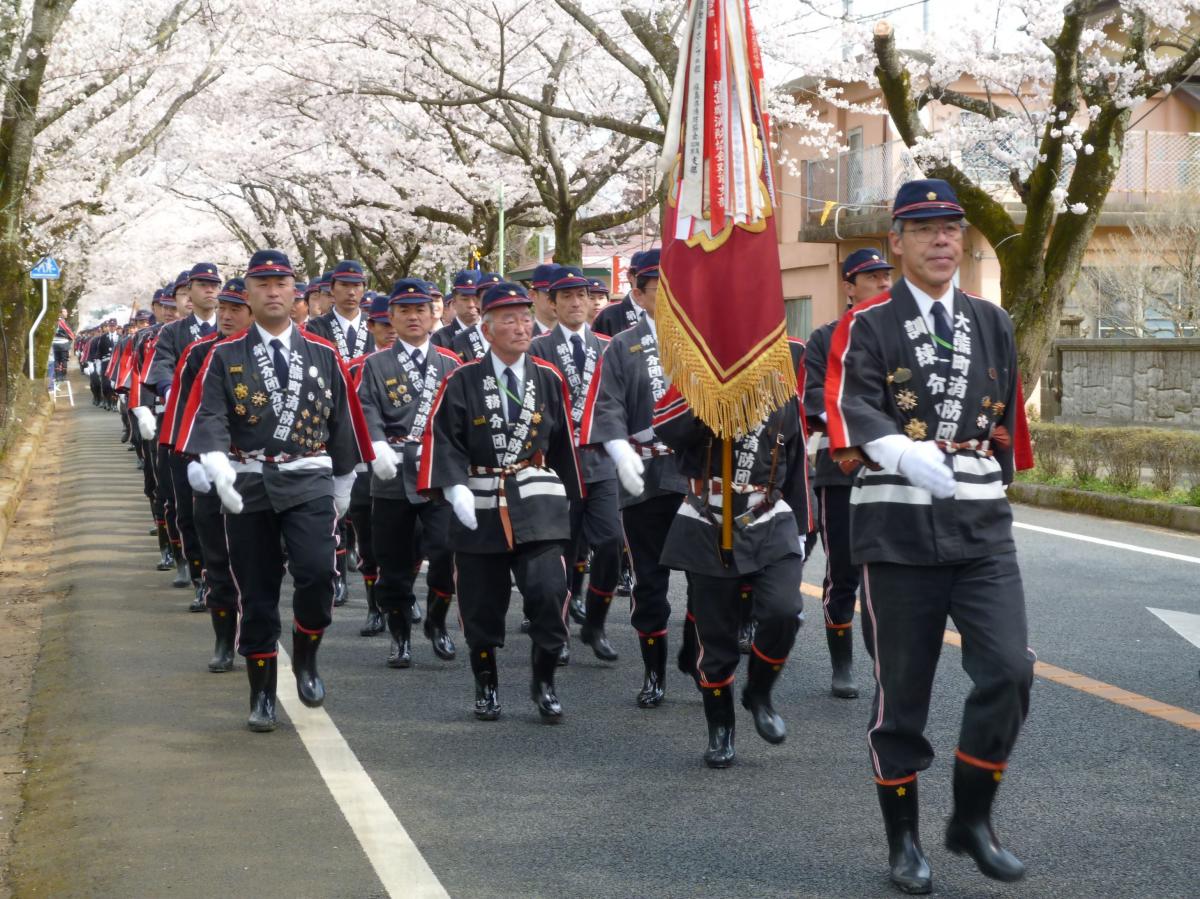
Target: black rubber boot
(487, 699)
(417, 615)
(686, 660)
(841, 655)
(625, 583)
(577, 607)
(340, 592)
(224, 622)
(400, 652)
(374, 623)
(262, 674)
(183, 577)
(435, 627)
(309, 685)
(654, 682)
(541, 685)
(592, 632)
(718, 711)
(564, 654)
(909, 869)
(970, 829)
(198, 603)
(760, 678)
(166, 560)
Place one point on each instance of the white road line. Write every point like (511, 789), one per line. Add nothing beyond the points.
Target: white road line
(1185, 624)
(397, 861)
(1161, 553)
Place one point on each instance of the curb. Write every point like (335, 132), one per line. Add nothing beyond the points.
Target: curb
(1122, 508)
(18, 465)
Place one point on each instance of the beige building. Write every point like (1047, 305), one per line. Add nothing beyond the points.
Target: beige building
(1161, 160)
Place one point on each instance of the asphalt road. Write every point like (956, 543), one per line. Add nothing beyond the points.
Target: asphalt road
(144, 782)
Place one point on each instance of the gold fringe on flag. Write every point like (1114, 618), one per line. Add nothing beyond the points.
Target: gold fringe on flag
(731, 402)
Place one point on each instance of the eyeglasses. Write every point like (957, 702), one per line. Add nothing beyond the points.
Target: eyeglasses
(926, 232)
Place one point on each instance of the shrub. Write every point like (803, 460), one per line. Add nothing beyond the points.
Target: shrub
(1172, 456)
(1122, 452)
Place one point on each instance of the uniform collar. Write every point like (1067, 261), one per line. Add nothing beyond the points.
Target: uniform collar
(423, 349)
(925, 302)
(346, 322)
(267, 336)
(518, 368)
(567, 333)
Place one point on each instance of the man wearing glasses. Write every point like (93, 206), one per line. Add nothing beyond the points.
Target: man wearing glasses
(923, 387)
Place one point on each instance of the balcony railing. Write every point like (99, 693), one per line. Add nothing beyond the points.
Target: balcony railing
(1154, 165)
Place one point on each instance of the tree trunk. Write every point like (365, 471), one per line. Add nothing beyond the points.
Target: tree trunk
(568, 240)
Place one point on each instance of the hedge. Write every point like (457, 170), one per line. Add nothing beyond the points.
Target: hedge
(1120, 455)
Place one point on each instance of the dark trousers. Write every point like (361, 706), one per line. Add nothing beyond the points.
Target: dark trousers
(359, 515)
(484, 582)
(596, 524)
(841, 576)
(165, 494)
(393, 530)
(716, 609)
(256, 542)
(182, 504)
(646, 525)
(908, 606)
(219, 591)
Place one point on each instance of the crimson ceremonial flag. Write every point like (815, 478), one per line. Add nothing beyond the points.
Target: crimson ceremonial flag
(720, 315)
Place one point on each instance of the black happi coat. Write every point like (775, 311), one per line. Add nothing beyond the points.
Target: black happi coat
(193, 359)
(765, 511)
(883, 378)
(173, 339)
(468, 344)
(444, 336)
(620, 406)
(328, 327)
(816, 356)
(391, 401)
(284, 456)
(467, 423)
(616, 317)
(554, 348)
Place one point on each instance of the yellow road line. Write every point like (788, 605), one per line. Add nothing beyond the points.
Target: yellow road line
(1083, 683)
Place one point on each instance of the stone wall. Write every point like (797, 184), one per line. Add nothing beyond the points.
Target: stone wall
(1129, 381)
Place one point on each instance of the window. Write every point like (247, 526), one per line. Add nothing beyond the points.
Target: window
(799, 316)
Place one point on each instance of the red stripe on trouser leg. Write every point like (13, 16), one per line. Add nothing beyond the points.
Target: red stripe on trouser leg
(895, 782)
(661, 633)
(304, 630)
(263, 655)
(714, 685)
(766, 658)
(980, 763)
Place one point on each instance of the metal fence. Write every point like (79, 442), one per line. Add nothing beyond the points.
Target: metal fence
(1154, 165)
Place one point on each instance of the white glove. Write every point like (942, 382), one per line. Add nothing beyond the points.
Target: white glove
(925, 466)
(221, 473)
(386, 461)
(629, 466)
(462, 501)
(145, 420)
(342, 485)
(198, 478)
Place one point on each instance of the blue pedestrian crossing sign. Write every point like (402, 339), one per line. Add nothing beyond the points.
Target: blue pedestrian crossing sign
(46, 270)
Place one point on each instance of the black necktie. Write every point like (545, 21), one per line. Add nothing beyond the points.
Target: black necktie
(944, 333)
(206, 328)
(577, 353)
(418, 361)
(281, 366)
(513, 403)
(351, 340)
